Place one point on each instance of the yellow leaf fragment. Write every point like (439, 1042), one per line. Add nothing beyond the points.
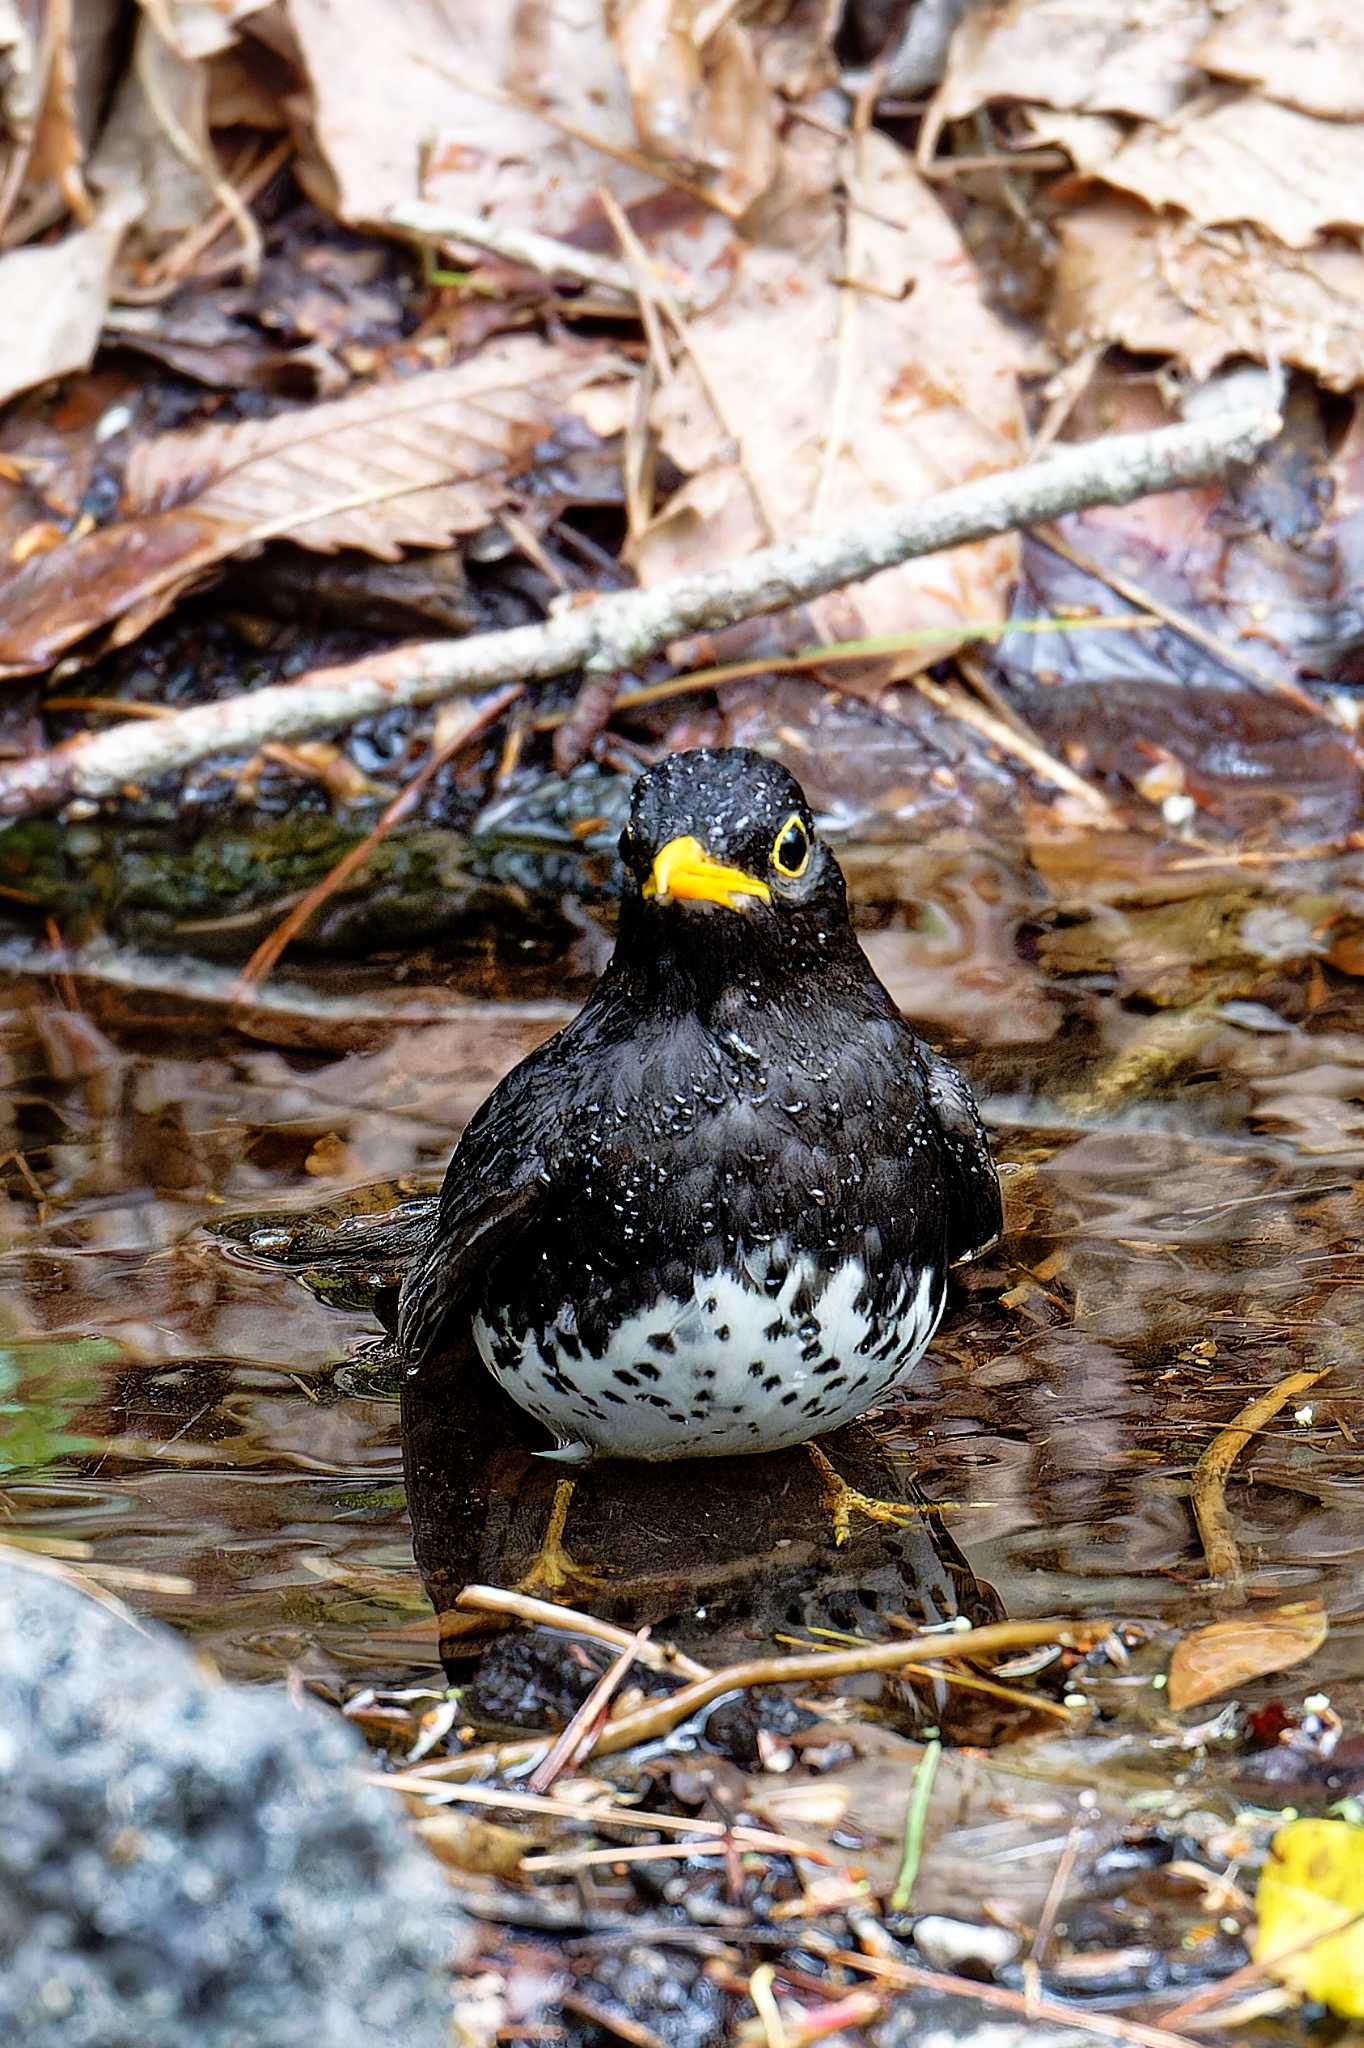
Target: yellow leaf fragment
(1310, 1905)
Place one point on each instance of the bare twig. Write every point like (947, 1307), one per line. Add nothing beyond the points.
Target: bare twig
(690, 681)
(576, 1743)
(912, 1978)
(515, 245)
(1214, 1467)
(609, 2020)
(1030, 752)
(659, 1717)
(549, 1614)
(626, 627)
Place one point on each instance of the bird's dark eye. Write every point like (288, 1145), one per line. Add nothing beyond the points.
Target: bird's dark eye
(627, 846)
(791, 848)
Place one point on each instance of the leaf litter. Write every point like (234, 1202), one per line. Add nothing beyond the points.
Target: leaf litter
(821, 320)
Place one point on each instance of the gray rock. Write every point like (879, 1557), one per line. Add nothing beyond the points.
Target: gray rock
(189, 1862)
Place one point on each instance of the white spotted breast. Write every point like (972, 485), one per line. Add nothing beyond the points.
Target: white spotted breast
(728, 1368)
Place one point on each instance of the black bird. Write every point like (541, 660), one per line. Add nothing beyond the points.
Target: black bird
(716, 1212)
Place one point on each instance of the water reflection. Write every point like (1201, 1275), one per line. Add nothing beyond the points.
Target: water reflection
(1185, 1231)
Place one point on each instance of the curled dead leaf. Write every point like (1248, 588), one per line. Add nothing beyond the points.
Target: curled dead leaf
(699, 98)
(1309, 53)
(1158, 285)
(1233, 156)
(1074, 53)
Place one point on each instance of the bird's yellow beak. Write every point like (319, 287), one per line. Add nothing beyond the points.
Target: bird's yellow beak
(683, 872)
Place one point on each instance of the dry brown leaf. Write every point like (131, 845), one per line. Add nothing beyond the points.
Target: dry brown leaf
(520, 114)
(1236, 157)
(20, 83)
(699, 98)
(1160, 286)
(52, 298)
(831, 379)
(1309, 53)
(156, 137)
(1087, 54)
(468, 80)
(58, 145)
(407, 464)
(1226, 1654)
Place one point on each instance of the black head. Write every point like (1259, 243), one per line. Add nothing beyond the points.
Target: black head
(721, 832)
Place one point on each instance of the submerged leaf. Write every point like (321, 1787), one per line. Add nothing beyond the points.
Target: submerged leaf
(1216, 1659)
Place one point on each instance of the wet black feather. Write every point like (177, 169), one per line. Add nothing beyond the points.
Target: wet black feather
(735, 1077)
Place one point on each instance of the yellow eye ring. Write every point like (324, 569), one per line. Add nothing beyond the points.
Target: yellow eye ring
(791, 848)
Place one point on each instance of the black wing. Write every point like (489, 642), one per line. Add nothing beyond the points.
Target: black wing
(492, 1187)
(975, 1213)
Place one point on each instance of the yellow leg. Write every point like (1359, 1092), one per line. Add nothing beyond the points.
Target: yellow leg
(844, 1501)
(553, 1570)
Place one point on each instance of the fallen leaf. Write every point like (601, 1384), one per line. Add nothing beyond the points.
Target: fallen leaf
(699, 98)
(20, 95)
(1217, 1659)
(876, 401)
(1309, 53)
(1237, 157)
(518, 114)
(1310, 1907)
(412, 463)
(468, 1843)
(488, 94)
(156, 139)
(1161, 286)
(57, 597)
(52, 298)
(58, 144)
(1096, 54)
(202, 28)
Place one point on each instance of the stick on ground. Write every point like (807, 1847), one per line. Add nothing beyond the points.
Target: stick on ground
(626, 627)
(1209, 1490)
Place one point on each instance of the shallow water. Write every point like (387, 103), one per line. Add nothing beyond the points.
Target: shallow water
(1174, 1072)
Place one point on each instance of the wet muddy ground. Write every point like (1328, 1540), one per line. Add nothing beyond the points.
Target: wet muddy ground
(1168, 1049)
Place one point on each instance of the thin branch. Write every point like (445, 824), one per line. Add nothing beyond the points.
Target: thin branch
(1209, 1492)
(625, 628)
(575, 1744)
(658, 1717)
(515, 245)
(910, 1977)
(549, 1614)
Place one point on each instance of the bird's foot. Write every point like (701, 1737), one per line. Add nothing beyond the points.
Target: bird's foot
(553, 1572)
(844, 1501)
